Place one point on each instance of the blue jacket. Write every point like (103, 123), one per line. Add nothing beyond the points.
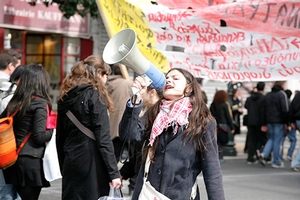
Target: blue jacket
(176, 166)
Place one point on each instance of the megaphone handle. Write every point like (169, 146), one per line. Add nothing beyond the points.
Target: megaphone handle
(134, 90)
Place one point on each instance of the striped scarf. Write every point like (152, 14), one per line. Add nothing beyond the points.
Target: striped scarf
(175, 117)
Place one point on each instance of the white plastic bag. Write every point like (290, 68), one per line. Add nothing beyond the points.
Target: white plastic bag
(50, 160)
(114, 194)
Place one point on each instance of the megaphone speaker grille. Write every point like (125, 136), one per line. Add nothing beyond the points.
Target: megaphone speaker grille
(119, 46)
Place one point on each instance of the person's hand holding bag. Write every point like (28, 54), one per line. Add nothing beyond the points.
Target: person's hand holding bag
(116, 183)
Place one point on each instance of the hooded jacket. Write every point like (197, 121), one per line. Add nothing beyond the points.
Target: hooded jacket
(87, 166)
(276, 106)
(256, 109)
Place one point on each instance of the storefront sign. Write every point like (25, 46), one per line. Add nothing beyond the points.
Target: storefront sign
(18, 14)
(250, 40)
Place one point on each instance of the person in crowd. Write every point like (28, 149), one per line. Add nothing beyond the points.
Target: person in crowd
(276, 115)
(88, 166)
(179, 136)
(290, 132)
(221, 111)
(295, 111)
(17, 56)
(295, 163)
(118, 88)
(131, 168)
(30, 102)
(7, 67)
(237, 110)
(295, 119)
(245, 121)
(257, 137)
(8, 88)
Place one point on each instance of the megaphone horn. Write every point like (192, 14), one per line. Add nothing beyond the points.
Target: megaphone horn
(122, 48)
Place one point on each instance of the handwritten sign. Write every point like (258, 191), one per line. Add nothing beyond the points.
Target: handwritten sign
(253, 40)
(119, 15)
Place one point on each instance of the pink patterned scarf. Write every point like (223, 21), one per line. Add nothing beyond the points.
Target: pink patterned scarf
(166, 117)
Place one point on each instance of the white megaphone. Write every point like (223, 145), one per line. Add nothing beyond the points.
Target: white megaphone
(121, 48)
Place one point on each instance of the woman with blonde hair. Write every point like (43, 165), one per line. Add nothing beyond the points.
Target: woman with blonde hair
(87, 165)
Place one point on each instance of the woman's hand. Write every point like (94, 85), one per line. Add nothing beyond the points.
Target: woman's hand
(116, 183)
(139, 87)
(264, 128)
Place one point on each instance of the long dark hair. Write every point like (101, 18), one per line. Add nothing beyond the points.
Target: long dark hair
(86, 72)
(198, 118)
(34, 81)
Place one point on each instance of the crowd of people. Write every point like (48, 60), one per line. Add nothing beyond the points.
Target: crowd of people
(271, 118)
(171, 134)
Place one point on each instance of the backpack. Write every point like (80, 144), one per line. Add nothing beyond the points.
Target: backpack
(8, 150)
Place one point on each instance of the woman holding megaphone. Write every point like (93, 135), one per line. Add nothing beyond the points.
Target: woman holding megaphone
(180, 142)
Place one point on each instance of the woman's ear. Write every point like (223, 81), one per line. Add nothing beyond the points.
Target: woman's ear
(152, 92)
(188, 91)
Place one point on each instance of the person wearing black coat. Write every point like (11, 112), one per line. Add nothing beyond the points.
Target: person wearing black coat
(276, 115)
(256, 137)
(295, 111)
(88, 166)
(221, 111)
(179, 138)
(30, 100)
(131, 168)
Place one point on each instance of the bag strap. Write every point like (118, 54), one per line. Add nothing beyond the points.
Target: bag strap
(14, 113)
(147, 165)
(80, 126)
(23, 143)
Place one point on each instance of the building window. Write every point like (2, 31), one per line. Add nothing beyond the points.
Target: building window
(45, 50)
(13, 39)
(72, 53)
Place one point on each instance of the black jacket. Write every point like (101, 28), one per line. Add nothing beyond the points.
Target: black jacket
(222, 114)
(176, 166)
(87, 166)
(256, 109)
(295, 107)
(33, 121)
(276, 106)
(132, 166)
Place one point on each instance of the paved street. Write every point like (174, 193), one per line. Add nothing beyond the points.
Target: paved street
(241, 181)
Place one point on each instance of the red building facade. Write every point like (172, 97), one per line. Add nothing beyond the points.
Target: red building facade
(42, 35)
